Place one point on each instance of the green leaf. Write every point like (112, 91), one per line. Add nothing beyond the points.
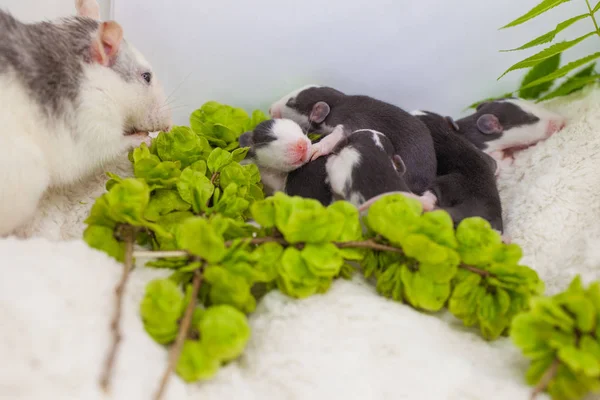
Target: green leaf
(574, 83)
(257, 117)
(218, 159)
(579, 361)
(549, 36)
(161, 308)
(303, 220)
(263, 212)
(596, 8)
(239, 154)
(228, 288)
(220, 124)
(563, 70)
(545, 54)
(323, 260)
(164, 202)
(477, 241)
(295, 279)
(233, 173)
(394, 217)
(267, 256)
(389, 283)
(195, 188)
(535, 11)
(195, 363)
(224, 332)
(422, 292)
(198, 237)
(181, 144)
(103, 238)
(465, 299)
(539, 71)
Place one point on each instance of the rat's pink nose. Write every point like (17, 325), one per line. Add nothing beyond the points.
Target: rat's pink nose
(275, 112)
(554, 126)
(300, 151)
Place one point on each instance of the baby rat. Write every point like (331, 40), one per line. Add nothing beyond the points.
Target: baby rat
(466, 184)
(320, 109)
(351, 166)
(504, 126)
(74, 96)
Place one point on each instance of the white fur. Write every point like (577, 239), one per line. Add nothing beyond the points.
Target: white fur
(51, 152)
(526, 134)
(281, 110)
(339, 170)
(350, 343)
(418, 113)
(275, 155)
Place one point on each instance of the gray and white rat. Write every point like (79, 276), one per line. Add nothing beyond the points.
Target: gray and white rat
(321, 109)
(75, 95)
(354, 166)
(465, 185)
(504, 126)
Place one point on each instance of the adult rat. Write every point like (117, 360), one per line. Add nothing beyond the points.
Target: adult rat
(75, 95)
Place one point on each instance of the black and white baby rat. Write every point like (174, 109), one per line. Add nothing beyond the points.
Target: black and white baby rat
(321, 109)
(504, 126)
(466, 183)
(75, 95)
(355, 166)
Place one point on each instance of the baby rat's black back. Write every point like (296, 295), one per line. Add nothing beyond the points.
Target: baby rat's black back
(362, 166)
(466, 183)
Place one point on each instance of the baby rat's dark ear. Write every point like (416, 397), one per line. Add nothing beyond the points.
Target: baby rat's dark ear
(452, 123)
(319, 112)
(489, 124)
(399, 163)
(245, 139)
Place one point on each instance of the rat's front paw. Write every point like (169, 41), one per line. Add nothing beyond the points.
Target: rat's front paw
(428, 201)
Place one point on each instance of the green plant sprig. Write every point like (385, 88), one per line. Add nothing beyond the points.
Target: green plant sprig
(544, 66)
(188, 207)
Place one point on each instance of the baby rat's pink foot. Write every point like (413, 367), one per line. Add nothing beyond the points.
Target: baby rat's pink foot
(328, 143)
(428, 200)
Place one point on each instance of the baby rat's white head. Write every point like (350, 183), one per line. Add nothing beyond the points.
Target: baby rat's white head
(279, 144)
(121, 99)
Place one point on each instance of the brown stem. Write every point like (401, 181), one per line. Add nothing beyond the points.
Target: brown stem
(368, 244)
(115, 326)
(475, 270)
(214, 177)
(184, 328)
(546, 378)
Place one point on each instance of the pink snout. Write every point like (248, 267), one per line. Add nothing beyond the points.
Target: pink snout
(300, 152)
(275, 112)
(554, 126)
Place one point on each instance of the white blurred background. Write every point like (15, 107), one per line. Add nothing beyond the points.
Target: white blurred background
(440, 55)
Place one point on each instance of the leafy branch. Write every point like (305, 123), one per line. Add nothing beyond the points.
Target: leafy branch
(544, 66)
(187, 210)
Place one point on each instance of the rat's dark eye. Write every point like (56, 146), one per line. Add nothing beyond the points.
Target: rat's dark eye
(147, 77)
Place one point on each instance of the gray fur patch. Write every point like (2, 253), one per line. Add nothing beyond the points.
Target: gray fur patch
(47, 57)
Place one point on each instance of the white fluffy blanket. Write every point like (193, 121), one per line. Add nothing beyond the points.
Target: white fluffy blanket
(56, 299)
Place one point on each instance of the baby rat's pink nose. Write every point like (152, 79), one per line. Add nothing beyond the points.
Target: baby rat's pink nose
(555, 126)
(275, 112)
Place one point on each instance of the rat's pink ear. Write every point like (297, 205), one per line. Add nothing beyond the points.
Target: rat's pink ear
(105, 45)
(88, 8)
(319, 112)
(489, 124)
(399, 164)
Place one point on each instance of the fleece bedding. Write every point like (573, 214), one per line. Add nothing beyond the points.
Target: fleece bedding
(56, 301)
